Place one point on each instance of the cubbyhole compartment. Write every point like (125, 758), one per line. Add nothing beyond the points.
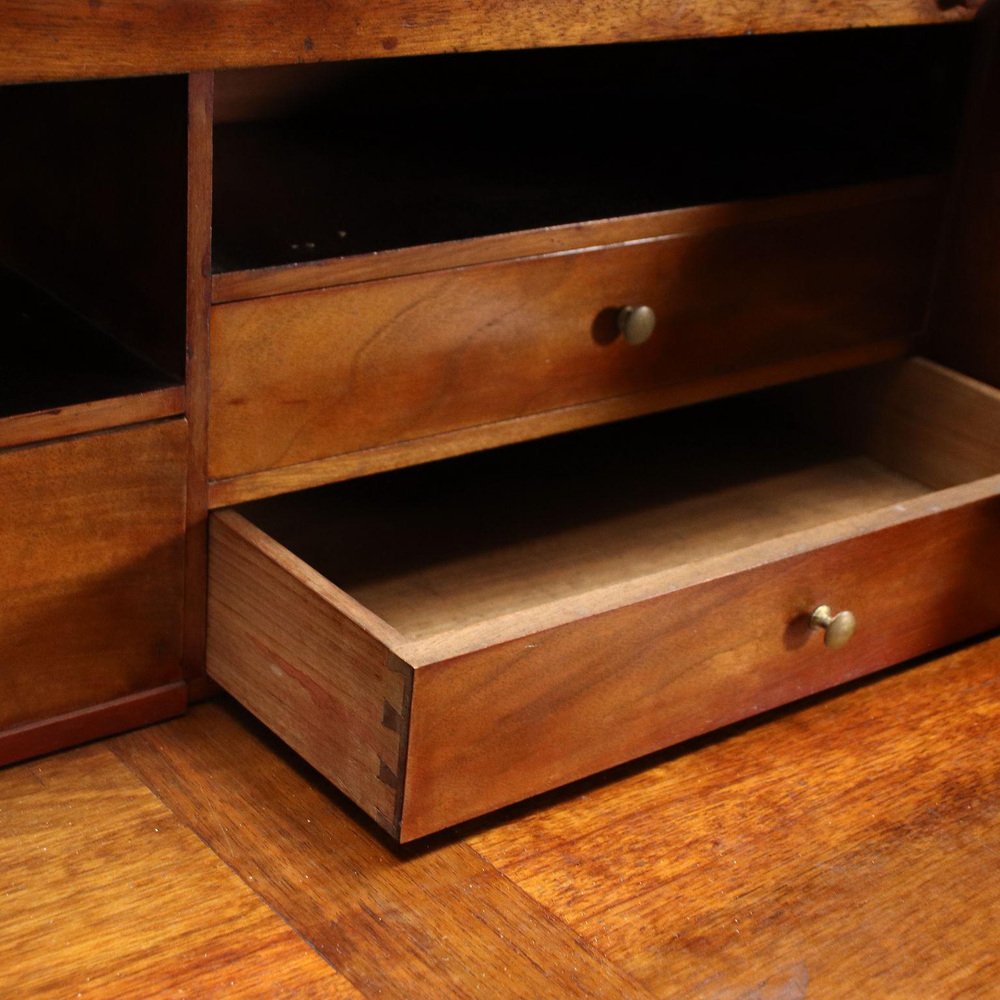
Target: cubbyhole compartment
(92, 255)
(314, 163)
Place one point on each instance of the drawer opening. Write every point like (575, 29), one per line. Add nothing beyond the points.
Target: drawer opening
(55, 359)
(453, 554)
(322, 162)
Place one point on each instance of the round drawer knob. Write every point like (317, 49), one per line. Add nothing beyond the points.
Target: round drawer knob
(838, 627)
(636, 324)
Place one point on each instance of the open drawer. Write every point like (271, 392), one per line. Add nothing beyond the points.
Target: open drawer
(447, 639)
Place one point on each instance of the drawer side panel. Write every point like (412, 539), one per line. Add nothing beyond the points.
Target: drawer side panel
(326, 686)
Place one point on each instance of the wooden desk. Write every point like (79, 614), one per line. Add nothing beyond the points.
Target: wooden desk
(177, 350)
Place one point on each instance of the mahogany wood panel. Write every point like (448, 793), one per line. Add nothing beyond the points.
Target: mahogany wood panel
(90, 569)
(61, 40)
(305, 658)
(300, 377)
(224, 492)
(437, 923)
(106, 893)
(847, 848)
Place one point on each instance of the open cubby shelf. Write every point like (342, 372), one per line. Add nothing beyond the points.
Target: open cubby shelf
(92, 255)
(387, 154)
(54, 358)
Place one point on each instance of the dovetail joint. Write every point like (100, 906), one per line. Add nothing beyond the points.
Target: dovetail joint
(387, 775)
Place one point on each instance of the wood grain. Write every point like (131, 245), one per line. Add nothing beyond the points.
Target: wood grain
(842, 849)
(107, 894)
(71, 728)
(238, 489)
(302, 377)
(305, 658)
(199, 267)
(584, 696)
(59, 40)
(926, 421)
(90, 569)
(439, 923)
(83, 418)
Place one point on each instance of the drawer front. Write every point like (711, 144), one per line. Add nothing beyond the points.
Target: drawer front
(512, 720)
(302, 377)
(90, 575)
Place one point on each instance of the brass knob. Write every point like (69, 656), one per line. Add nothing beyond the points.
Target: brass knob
(838, 627)
(636, 324)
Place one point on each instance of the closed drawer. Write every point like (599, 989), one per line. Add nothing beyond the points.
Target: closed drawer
(91, 585)
(405, 369)
(445, 640)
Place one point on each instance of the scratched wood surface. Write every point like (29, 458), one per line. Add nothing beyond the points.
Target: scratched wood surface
(844, 848)
(127, 37)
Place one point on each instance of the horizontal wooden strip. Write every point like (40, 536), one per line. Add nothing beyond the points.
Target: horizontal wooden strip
(236, 285)
(64, 40)
(101, 414)
(223, 492)
(36, 738)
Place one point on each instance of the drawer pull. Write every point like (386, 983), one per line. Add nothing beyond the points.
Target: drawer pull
(636, 324)
(838, 627)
